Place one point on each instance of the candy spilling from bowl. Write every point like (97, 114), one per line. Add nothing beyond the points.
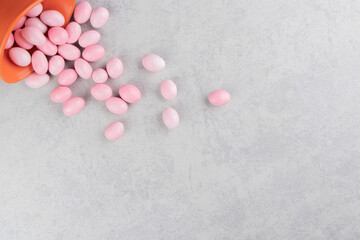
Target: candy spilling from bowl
(53, 42)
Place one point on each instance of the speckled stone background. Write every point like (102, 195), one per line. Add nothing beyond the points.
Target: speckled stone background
(280, 161)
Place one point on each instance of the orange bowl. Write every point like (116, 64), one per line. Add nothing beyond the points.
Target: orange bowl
(10, 14)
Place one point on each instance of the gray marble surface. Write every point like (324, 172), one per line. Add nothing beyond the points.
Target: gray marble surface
(280, 161)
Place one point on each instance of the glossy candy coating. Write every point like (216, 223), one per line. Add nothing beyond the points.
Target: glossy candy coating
(100, 75)
(56, 65)
(58, 35)
(93, 53)
(130, 93)
(82, 12)
(168, 89)
(74, 31)
(36, 23)
(116, 105)
(89, 38)
(60, 94)
(20, 56)
(69, 52)
(35, 80)
(114, 67)
(153, 62)
(83, 68)
(10, 41)
(39, 62)
(219, 97)
(101, 91)
(52, 18)
(19, 39)
(99, 17)
(73, 106)
(35, 11)
(170, 118)
(67, 77)
(114, 131)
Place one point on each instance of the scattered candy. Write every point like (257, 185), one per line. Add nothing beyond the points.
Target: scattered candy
(74, 31)
(170, 118)
(58, 35)
(35, 11)
(101, 91)
(56, 65)
(49, 49)
(99, 17)
(168, 89)
(20, 56)
(83, 68)
(39, 62)
(100, 75)
(10, 41)
(52, 18)
(114, 67)
(60, 94)
(153, 62)
(130, 93)
(69, 52)
(35, 80)
(36, 23)
(33, 36)
(73, 106)
(20, 23)
(93, 53)
(114, 131)
(219, 97)
(89, 38)
(116, 105)
(21, 41)
(67, 77)
(82, 12)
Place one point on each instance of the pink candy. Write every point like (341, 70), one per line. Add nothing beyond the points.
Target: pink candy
(114, 131)
(52, 18)
(74, 31)
(114, 67)
(10, 41)
(83, 68)
(69, 52)
(48, 48)
(130, 93)
(20, 56)
(101, 91)
(58, 35)
(219, 97)
(170, 118)
(35, 11)
(168, 89)
(60, 94)
(67, 77)
(21, 41)
(153, 62)
(82, 12)
(56, 65)
(93, 53)
(89, 38)
(33, 36)
(36, 23)
(116, 105)
(35, 80)
(73, 106)
(20, 23)
(100, 76)
(99, 17)
(39, 62)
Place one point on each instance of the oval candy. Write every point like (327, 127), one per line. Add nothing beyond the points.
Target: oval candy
(168, 89)
(39, 62)
(114, 67)
(67, 77)
(73, 106)
(153, 62)
(89, 38)
(99, 75)
(74, 31)
(35, 80)
(56, 65)
(49, 49)
(36, 23)
(116, 105)
(114, 131)
(20, 56)
(58, 35)
(82, 12)
(219, 97)
(130, 93)
(93, 53)
(99, 17)
(69, 52)
(60, 94)
(170, 118)
(52, 18)
(83, 68)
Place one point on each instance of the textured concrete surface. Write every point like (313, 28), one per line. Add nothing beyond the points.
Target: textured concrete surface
(281, 161)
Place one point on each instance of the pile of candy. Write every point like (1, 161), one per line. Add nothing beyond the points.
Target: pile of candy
(45, 31)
